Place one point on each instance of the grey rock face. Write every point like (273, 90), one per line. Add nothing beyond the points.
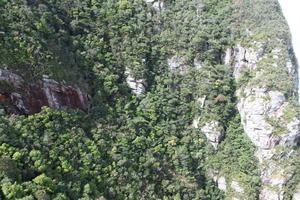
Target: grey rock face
(198, 64)
(219, 180)
(157, 5)
(254, 107)
(236, 187)
(19, 102)
(213, 132)
(224, 185)
(137, 85)
(201, 101)
(258, 106)
(241, 58)
(196, 122)
(227, 57)
(273, 178)
(296, 195)
(177, 64)
(11, 78)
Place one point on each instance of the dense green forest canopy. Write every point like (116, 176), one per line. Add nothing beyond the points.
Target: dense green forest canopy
(128, 146)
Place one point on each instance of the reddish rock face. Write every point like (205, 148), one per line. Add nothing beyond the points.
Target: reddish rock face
(47, 92)
(2, 97)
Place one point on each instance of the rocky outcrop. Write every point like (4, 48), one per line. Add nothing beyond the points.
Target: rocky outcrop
(256, 105)
(236, 187)
(213, 132)
(296, 195)
(263, 111)
(233, 187)
(156, 4)
(241, 58)
(196, 122)
(201, 101)
(138, 86)
(30, 98)
(198, 64)
(11, 78)
(221, 183)
(177, 64)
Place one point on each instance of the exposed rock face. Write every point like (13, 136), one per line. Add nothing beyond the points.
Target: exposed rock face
(196, 122)
(177, 64)
(213, 132)
(241, 58)
(157, 5)
(47, 92)
(137, 85)
(228, 186)
(254, 107)
(198, 64)
(262, 115)
(296, 195)
(201, 101)
(236, 187)
(11, 78)
(221, 182)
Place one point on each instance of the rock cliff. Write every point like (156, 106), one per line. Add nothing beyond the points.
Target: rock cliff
(212, 112)
(267, 111)
(267, 82)
(30, 98)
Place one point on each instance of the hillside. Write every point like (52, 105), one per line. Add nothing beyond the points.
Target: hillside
(147, 99)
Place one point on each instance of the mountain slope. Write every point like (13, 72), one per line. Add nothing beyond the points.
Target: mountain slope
(189, 100)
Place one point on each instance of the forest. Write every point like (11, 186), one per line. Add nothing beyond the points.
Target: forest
(130, 146)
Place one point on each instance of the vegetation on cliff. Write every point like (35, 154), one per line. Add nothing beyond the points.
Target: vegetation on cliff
(128, 146)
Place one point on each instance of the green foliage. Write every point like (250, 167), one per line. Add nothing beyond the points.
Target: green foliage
(12, 190)
(292, 185)
(262, 19)
(236, 161)
(132, 146)
(291, 111)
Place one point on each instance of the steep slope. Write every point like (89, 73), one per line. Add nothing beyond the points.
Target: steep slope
(190, 99)
(265, 68)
